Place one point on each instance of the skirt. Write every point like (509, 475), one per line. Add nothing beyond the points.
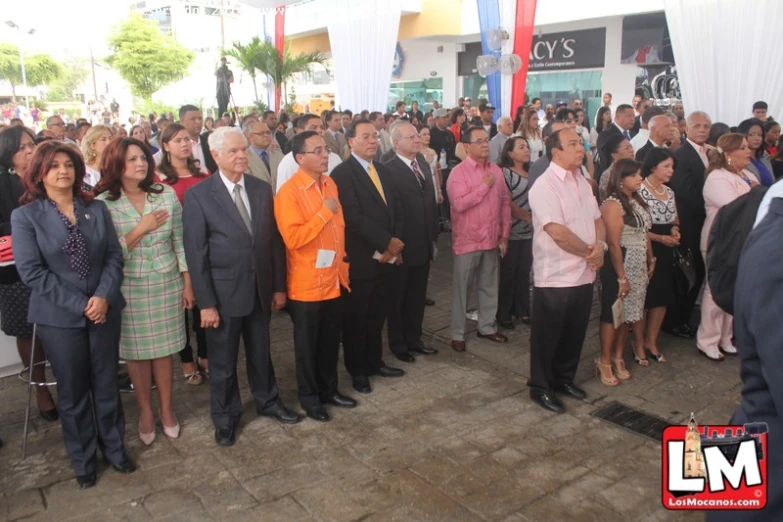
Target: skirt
(14, 304)
(662, 290)
(153, 324)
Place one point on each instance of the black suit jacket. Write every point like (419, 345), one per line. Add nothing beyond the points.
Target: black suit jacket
(637, 125)
(688, 185)
(211, 164)
(443, 139)
(642, 153)
(59, 296)
(493, 129)
(227, 264)
(369, 222)
(420, 229)
(11, 190)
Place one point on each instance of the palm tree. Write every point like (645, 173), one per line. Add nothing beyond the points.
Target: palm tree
(281, 68)
(247, 56)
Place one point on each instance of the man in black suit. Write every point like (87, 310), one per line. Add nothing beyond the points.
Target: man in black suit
(623, 121)
(191, 118)
(236, 260)
(412, 178)
(688, 185)
(660, 132)
(373, 226)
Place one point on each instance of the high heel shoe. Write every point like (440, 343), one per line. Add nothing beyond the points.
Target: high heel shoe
(619, 369)
(146, 438)
(641, 361)
(171, 432)
(657, 357)
(599, 372)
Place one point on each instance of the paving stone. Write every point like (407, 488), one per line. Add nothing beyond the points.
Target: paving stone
(170, 501)
(284, 509)
(25, 503)
(227, 497)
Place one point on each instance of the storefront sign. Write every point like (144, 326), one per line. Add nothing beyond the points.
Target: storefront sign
(569, 50)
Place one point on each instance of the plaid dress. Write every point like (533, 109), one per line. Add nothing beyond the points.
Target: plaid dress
(153, 324)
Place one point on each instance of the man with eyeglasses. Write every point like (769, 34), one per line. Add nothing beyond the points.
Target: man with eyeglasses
(373, 228)
(311, 223)
(288, 165)
(56, 124)
(481, 225)
(262, 159)
(412, 177)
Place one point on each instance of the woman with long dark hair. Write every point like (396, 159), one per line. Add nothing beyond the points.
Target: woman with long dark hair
(67, 253)
(147, 218)
(617, 147)
(603, 119)
(628, 266)
(16, 150)
(178, 170)
(759, 165)
(727, 179)
(456, 121)
(514, 292)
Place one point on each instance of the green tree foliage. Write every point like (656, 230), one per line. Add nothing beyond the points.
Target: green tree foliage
(282, 69)
(145, 58)
(248, 57)
(40, 69)
(62, 88)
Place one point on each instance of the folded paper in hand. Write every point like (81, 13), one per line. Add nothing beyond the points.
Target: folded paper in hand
(377, 256)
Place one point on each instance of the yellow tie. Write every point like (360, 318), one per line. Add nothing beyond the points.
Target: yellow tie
(376, 181)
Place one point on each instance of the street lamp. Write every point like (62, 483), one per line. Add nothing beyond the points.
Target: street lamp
(13, 25)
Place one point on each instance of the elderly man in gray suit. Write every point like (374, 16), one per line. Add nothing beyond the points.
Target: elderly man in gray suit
(238, 267)
(262, 158)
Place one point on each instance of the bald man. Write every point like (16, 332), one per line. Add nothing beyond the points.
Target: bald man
(660, 133)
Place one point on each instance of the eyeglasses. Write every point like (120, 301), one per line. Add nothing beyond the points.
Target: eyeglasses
(317, 151)
(27, 146)
(262, 133)
(410, 137)
(483, 141)
(61, 124)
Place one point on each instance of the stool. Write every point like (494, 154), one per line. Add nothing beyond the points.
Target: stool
(28, 379)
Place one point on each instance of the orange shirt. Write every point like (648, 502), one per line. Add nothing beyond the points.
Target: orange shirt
(307, 226)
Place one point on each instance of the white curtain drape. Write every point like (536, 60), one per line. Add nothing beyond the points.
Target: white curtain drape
(363, 38)
(727, 56)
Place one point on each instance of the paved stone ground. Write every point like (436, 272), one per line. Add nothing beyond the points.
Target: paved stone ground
(456, 439)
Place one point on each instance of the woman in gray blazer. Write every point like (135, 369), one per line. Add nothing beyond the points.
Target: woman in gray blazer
(67, 253)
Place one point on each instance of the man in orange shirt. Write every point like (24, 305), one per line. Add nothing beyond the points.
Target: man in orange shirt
(308, 214)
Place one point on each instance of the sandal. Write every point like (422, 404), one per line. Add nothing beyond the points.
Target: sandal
(657, 357)
(619, 369)
(641, 361)
(203, 369)
(194, 378)
(599, 371)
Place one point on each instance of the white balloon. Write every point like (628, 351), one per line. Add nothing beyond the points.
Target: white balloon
(510, 63)
(495, 39)
(486, 64)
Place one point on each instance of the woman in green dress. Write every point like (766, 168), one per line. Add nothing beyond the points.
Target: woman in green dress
(148, 219)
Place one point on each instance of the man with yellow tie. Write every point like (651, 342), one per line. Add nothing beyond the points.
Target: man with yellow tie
(373, 226)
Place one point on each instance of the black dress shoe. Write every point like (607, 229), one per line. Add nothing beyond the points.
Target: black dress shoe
(126, 466)
(508, 325)
(388, 371)
(689, 329)
(424, 350)
(362, 384)
(226, 436)
(86, 481)
(572, 390)
(282, 414)
(124, 383)
(548, 401)
(405, 357)
(50, 415)
(525, 319)
(681, 332)
(339, 400)
(318, 413)
(429, 302)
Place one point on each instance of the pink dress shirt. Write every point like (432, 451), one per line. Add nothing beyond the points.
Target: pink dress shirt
(721, 188)
(480, 215)
(565, 198)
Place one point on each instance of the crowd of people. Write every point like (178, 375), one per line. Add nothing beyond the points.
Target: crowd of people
(124, 244)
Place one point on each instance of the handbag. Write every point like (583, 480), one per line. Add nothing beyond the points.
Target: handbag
(6, 252)
(683, 260)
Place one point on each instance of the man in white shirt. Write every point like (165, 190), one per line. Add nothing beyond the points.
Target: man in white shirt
(288, 165)
(641, 138)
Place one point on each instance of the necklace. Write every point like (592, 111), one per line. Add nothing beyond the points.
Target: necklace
(661, 193)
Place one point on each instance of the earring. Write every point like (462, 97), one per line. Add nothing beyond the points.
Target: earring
(728, 160)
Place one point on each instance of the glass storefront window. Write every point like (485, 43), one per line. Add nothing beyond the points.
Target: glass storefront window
(556, 86)
(422, 91)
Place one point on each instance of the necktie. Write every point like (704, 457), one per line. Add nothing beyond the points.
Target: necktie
(265, 159)
(243, 213)
(627, 136)
(703, 154)
(419, 177)
(376, 181)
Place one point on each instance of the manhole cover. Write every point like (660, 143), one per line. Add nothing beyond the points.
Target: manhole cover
(633, 420)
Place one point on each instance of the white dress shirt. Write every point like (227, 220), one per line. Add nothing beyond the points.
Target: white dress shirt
(640, 140)
(288, 167)
(198, 154)
(230, 187)
(91, 176)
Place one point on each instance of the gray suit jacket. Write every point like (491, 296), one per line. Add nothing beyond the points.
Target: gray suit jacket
(59, 296)
(338, 147)
(228, 265)
(256, 167)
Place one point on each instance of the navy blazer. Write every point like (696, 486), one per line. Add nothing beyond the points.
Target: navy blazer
(59, 296)
(227, 264)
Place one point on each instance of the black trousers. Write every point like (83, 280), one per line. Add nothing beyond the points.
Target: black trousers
(317, 348)
(445, 207)
(405, 322)
(222, 100)
(253, 329)
(681, 312)
(559, 324)
(84, 362)
(367, 306)
(514, 292)
(186, 354)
